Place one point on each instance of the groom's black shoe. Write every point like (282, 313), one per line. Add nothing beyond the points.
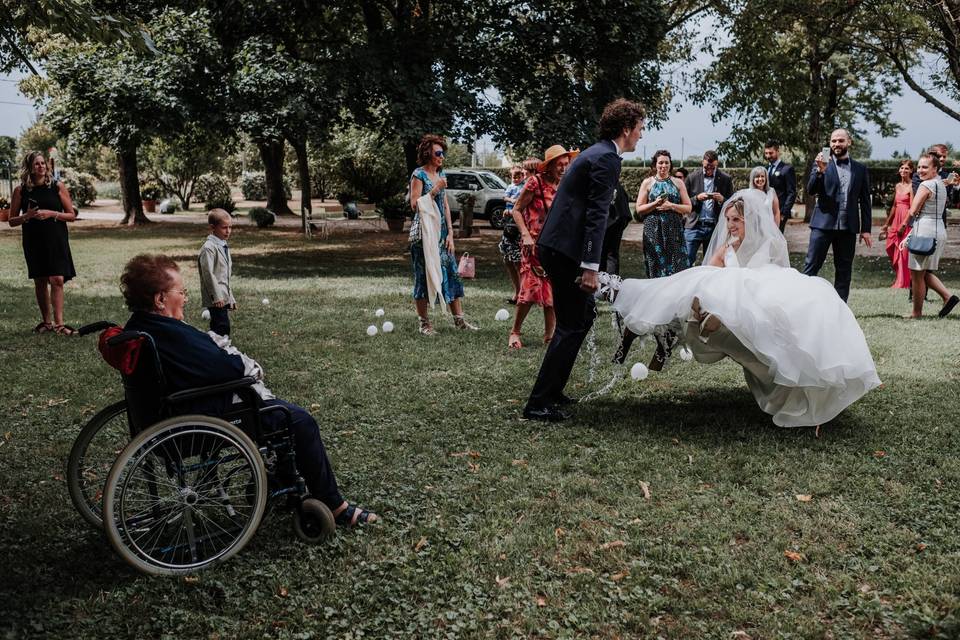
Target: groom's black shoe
(544, 414)
(565, 400)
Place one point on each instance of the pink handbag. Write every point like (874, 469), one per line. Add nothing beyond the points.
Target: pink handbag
(467, 268)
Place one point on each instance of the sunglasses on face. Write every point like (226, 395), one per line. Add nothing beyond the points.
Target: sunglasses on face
(439, 153)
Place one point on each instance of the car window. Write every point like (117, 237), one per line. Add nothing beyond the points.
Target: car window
(456, 181)
(493, 181)
(474, 182)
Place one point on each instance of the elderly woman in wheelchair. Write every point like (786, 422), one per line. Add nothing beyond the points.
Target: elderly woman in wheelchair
(191, 489)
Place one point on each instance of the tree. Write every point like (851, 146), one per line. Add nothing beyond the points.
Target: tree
(37, 137)
(795, 76)
(176, 162)
(561, 61)
(120, 97)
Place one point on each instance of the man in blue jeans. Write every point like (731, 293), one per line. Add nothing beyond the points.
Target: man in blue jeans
(709, 188)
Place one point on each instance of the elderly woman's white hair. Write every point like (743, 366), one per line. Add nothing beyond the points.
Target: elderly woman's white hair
(753, 175)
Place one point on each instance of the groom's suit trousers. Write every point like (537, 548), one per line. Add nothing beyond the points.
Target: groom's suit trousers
(575, 314)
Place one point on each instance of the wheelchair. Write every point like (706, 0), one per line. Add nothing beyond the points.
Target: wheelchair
(177, 493)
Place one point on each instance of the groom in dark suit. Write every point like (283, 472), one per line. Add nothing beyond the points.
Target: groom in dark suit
(843, 212)
(783, 179)
(570, 247)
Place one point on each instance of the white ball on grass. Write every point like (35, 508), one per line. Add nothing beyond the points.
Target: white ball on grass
(205, 314)
(379, 313)
(502, 315)
(639, 371)
(372, 330)
(265, 301)
(387, 327)
(686, 355)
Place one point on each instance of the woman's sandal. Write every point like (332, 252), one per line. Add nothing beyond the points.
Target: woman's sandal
(353, 515)
(513, 342)
(43, 327)
(65, 330)
(426, 329)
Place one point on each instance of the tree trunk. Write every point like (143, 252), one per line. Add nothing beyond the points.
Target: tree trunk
(303, 169)
(410, 154)
(130, 186)
(272, 155)
(814, 131)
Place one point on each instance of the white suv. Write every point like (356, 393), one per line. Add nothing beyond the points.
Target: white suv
(486, 185)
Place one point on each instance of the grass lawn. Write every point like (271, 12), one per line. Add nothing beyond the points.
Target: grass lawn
(493, 526)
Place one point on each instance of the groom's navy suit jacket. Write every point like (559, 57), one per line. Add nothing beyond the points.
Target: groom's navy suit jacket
(826, 186)
(578, 215)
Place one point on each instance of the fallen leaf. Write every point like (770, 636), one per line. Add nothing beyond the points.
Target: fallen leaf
(864, 588)
(314, 406)
(460, 454)
(347, 433)
(615, 544)
(645, 488)
(921, 546)
(803, 497)
(520, 519)
(519, 463)
(503, 583)
(689, 459)
(473, 468)
(53, 403)
(636, 521)
(421, 543)
(793, 556)
(579, 570)
(559, 533)
(617, 577)
(283, 592)
(879, 454)
(541, 601)
(58, 477)
(191, 579)
(740, 635)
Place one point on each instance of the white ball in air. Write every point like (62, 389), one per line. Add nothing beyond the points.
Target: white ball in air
(265, 301)
(205, 314)
(372, 330)
(502, 315)
(379, 313)
(639, 371)
(387, 327)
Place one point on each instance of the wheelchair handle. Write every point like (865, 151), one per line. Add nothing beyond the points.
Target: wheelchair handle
(94, 327)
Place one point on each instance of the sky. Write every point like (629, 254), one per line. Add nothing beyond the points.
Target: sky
(687, 131)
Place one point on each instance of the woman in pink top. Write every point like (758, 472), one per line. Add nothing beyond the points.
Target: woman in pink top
(895, 227)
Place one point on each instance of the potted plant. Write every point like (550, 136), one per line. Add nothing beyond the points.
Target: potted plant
(150, 193)
(394, 210)
(348, 200)
(467, 201)
(4, 209)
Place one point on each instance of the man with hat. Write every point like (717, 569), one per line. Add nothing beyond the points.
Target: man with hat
(570, 247)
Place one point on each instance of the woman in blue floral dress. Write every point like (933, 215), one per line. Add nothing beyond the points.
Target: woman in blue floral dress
(429, 178)
(661, 206)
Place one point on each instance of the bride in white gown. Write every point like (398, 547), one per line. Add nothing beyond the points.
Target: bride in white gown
(803, 354)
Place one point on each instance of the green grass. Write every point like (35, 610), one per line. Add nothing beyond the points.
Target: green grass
(539, 530)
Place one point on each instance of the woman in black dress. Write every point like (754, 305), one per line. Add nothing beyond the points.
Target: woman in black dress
(45, 208)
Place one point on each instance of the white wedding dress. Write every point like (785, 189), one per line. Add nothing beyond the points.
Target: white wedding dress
(803, 354)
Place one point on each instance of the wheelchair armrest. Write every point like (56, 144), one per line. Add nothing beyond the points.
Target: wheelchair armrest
(93, 327)
(214, 389)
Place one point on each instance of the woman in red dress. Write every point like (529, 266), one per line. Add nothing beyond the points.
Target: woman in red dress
(530, 213)
(895, 227)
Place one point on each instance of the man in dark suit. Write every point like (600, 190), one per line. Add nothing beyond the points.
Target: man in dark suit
(782, 178)
(620, 216)
(570, 245)
(842, 188)
(708, 188)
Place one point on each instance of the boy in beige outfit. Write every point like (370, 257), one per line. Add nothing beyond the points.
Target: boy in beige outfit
(215, 267)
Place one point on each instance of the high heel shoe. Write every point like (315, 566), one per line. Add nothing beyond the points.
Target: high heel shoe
(626, 340)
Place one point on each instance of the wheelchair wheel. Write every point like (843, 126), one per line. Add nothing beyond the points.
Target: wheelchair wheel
(93, 453)
(186, 493)
(313, 521)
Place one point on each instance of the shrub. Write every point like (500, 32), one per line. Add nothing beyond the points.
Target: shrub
(81, 187)
(168, 206)
(150, 191)
(394, 207)
(253, 184)
(262, 216)
(343, 197)
(227, 204)
(211, 186)
(109, 190)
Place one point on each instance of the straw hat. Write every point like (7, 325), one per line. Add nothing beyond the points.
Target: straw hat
(554, 152)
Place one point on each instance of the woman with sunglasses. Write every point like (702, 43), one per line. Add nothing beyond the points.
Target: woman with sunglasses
(429, 179)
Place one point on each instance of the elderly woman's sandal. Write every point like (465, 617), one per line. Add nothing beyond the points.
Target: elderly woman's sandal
(43, 327)
(65, 330)
(350, 515)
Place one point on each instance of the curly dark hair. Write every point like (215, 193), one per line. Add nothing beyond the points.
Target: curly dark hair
(145, 276)
(619, 115)
(657, 154)
(425, 148)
